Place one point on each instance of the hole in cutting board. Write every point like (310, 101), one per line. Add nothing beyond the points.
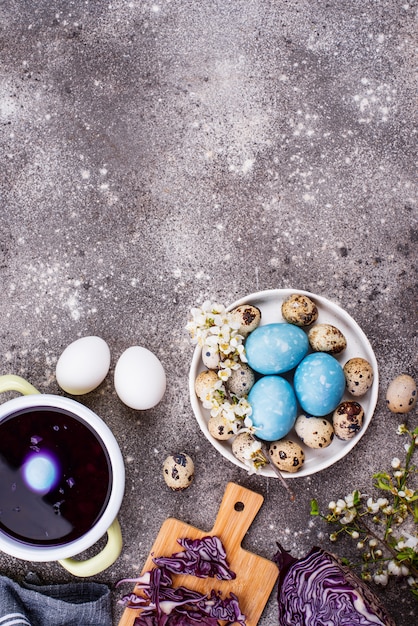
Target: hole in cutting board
(239, 506)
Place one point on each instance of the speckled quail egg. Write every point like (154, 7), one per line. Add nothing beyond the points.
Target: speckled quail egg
(178, 471)
(358, 376)
(211, 357)
(315, 432)
(244, 445)
(247, 316)
(300, 310)
(248, 450)
(401, 395)
(326, 338)
(205, 383)
(222, 428)
(347, 419)
(287, 455)
(241, 380)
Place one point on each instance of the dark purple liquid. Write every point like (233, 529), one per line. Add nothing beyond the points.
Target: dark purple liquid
(77, 497)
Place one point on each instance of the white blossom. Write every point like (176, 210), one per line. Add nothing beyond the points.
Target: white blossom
(372, 506)
(349, 515)
(409, 541)
(393, 568)
(213, 326)
(349, 499)
(381, 578)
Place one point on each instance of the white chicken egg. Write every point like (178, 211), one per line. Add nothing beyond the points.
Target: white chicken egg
(83, 365)
(139, 378)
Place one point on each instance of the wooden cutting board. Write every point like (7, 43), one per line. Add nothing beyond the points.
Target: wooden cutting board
(255, 575)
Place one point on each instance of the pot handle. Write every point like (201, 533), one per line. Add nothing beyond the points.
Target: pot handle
(10, 382)
(101, 561)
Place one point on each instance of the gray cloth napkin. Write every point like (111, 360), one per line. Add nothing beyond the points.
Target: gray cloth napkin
(71, 604)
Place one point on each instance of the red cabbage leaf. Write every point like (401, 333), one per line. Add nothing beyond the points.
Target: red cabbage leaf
(318, 590)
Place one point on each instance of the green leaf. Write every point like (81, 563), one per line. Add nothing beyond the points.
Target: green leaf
(383, 482)
(314, 507)
(404, 555)
(356, 499)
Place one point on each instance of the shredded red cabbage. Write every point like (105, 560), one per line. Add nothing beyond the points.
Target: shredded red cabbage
(162, 604)
(205, 558)
(318, 590)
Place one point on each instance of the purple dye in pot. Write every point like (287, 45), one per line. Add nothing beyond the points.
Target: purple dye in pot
(55, 477)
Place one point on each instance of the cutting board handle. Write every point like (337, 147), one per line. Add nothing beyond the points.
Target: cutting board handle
(238, 509)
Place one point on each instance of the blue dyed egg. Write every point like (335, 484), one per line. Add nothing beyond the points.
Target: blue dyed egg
(274, 407)
(276, 348)
(319, 383)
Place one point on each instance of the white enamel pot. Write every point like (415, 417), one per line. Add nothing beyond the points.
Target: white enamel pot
(107, 522)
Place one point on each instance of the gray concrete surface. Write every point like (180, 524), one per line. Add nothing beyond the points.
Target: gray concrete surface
(157, 154)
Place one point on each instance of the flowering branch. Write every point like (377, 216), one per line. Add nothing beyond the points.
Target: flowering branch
(390, 541)
(215, 330)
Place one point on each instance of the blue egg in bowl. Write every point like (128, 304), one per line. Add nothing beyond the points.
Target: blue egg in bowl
(274, 407)
(319, 384)
(276, 348)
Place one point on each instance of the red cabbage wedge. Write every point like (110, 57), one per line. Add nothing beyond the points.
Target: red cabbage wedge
(318, 590)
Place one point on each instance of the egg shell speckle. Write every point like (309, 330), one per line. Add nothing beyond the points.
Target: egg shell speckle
(276, 348)
(358, 375)
(139, 378)
(245, 448)
(247, 316)
(347, 419)
(300, 310)
(319, 384)
(274, 407)
(221, 428)
(205, 384)
(401, 395)
(178, 471)
(315, 432)
(287, 455)
(83, 365)
(241, 380)
(210, 357)
(327, 338)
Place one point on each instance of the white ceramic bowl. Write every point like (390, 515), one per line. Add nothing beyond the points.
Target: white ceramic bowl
(269, 302)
